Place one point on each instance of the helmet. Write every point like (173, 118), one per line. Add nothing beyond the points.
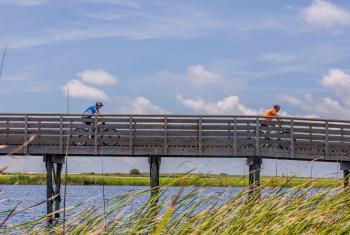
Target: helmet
(276, 106)
(99, 104)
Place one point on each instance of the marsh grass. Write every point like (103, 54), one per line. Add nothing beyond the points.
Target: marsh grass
(175, 180)
(293, 210)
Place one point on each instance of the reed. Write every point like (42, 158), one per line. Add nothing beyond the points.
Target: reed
(279, 211)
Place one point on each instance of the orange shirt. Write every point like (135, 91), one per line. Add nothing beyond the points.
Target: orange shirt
(270, 113)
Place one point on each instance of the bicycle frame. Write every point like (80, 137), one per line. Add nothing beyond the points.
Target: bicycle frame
(89, 132)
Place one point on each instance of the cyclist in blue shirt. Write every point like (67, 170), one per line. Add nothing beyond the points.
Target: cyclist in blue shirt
(94, 109)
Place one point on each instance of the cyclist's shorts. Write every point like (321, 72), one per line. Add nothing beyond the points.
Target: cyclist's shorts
(88, 123)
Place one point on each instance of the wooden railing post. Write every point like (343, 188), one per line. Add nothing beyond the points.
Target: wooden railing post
(25, 149)
(257, 134)
(200, 148)
(292, 146)
(130, 135)
(327, 141)
(7, 131)
(310, 133)
(61, 134)
(95, 135)
(165, 147)
(235, 146)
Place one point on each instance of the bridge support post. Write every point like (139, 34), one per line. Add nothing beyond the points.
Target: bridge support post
(154, 163)
(345, 166)
(254, 164)
(53, 165)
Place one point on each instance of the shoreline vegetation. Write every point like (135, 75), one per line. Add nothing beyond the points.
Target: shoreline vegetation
(206, 180)
(292, 211)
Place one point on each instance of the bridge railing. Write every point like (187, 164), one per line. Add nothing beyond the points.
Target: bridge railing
(176, 135)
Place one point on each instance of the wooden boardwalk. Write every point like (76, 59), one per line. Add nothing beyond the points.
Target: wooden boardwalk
(176, 136)
(56, 136)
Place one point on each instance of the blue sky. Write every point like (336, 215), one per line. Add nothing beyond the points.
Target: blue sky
(220, 57)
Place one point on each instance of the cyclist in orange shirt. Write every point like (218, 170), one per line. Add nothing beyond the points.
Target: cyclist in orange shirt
(268, 116)
(272, 112)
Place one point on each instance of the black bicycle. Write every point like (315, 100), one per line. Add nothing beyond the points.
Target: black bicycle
(107, 136)
(280, 134)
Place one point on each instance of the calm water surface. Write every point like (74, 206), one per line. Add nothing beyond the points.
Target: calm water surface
(29, 195)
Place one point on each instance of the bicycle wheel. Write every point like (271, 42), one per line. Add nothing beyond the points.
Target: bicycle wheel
(252, 136)
(110, 137)
(79, 136)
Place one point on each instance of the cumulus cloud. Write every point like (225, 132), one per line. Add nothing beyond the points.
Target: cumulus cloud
(291, 99)
(97, 77)
(339, 82)
(80, 90)
(228, 105)
(336, 81)
(324, 14)
(199, 76)
(141, 105)
(324, 106)
(196, 75)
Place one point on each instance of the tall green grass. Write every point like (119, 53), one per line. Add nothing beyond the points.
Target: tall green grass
(176, 180)
(280, 211)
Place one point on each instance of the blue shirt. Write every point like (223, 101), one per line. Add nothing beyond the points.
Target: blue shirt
(91, 110)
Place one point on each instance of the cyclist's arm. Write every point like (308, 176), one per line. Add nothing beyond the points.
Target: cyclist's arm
(279, 120)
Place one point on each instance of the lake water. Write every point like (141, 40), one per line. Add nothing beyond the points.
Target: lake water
(91, 195)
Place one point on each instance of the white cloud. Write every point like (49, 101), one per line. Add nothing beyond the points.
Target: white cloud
(338, 81)
(228, 105)
(139, 24)
(24, 2)
(325, 107)
(195, 75)
(141, 105)
(291, 99)
(324, 14)
(199, 76)
(97, 77)
(80, 90)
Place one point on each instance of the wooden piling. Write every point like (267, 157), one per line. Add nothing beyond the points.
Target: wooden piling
(58, 189)
(154, 163)
(53, 165)
(49, 190)
(254, 164)
(345, 166)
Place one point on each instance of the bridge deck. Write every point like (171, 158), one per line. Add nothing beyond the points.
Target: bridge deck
(176, 136)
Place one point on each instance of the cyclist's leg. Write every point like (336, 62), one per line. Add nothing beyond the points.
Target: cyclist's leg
(90, 127)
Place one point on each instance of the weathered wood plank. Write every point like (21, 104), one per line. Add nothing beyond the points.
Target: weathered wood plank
(292, 147)
(25, 149)
(200, 137)
(235, 145)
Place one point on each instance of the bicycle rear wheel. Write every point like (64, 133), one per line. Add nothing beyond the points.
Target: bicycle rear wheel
(79, 137)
